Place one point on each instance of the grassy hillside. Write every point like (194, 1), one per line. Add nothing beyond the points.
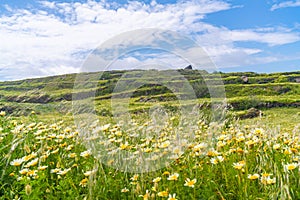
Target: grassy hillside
(54, 94)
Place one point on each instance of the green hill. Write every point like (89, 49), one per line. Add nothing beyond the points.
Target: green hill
(243, 90)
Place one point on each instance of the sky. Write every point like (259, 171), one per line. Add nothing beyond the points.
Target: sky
(44, 38)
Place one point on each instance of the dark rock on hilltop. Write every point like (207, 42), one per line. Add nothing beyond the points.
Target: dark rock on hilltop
(188, 67)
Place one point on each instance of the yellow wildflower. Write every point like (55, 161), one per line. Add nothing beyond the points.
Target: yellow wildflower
(83, 182)
(172, 197)
(173, 177)
(163, 194)
(17, 162)
(190, 183)
(253, 176)
(156, 180)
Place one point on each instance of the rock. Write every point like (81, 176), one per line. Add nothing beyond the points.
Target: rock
(251, 113)
(188, 67)
(245, 79)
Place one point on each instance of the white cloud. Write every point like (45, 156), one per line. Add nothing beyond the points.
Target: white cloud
(285, 4)
(54, 38)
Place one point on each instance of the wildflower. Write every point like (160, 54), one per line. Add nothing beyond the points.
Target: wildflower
(24, 171)
(271, 181)
(70, 147)
(289, 167)
(32, 163)
(32, 173)
(173, 177)
(146, 196)
(166, 173)
(172, 197)
(213, 153)
(124, 146)
(220, 158)
(56, 170)
(276, 146)
(238, 165)
(88, 173)
(30, 156)
(135, 177)
(105, 127)
(162, 194)
(287, 152)
(164, 144)
(217, 160)
(17, 162)
(253, 177)
(190, 183)
(72, 155)
(83, 182)
(63, 172)
(124, 190)
(2, 113)
(42, 167)
(156, 180)
(67, 130)
(55, 151)
(86, 154)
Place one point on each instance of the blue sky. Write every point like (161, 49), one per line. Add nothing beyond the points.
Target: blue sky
(42, 38)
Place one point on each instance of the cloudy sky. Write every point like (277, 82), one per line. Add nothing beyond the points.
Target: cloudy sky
(42, 38)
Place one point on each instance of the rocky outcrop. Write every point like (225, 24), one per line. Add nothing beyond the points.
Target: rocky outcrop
(251, 113)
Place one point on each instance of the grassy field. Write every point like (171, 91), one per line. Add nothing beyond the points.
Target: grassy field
(45, 155)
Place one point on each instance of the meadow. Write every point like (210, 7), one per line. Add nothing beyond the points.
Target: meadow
(45, 156)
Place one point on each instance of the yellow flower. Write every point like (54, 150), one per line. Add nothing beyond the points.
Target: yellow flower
(72, 155)
(32, 163)
(135, 177)
(271, 181)
(70, 147)
(163, 194)
(124, 146)
(291, 166)
(24, 171)
(17, 162)
(2, 113)
(173, 177)
(42, 167)
(146, 196)
(86, 154)
(172, 197)
(63, 172)
(164, 144)
(190, 183)
(217, 160)
(166, 173)
(31, 173)
(55, 151)
(213, 153)
(156, 180)
(30, 156)
(124, 190)
(55, 170)
(88, 173)
(83, 182)
(253, 177)
(276, 146)
(239, 165)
